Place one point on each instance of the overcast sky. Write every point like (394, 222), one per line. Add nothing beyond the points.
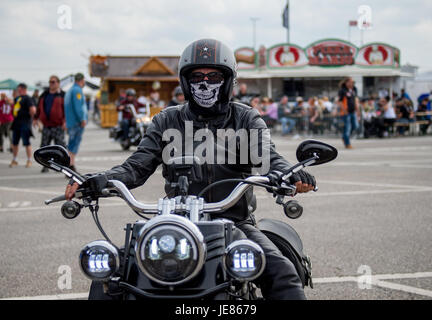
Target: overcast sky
(33, 46)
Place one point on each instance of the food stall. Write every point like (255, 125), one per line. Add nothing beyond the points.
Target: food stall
(145, 74)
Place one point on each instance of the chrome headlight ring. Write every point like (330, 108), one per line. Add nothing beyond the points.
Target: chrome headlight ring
(149, 248)
(99, 260)
(244, 260)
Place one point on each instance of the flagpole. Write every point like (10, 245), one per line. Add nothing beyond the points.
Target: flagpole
(254, 20)
(288, 29)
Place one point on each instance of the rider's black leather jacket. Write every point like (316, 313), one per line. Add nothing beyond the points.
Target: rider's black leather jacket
(141, 165)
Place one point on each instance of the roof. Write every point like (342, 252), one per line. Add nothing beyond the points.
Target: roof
(134, 67)
(11, 84)
(65, 81)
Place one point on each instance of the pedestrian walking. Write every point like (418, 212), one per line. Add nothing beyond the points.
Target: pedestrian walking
(6, 119)
(23, 112)
(349, 107)
(76, 117)
(50, 112)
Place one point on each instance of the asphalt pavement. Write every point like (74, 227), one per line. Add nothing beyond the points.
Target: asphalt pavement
(368, 230)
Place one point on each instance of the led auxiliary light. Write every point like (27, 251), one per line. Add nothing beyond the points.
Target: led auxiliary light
(244, 260)
(99, 260)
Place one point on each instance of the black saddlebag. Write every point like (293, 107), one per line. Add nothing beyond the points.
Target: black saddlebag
(289, 243)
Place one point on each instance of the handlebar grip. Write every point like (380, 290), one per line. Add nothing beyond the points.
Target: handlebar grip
(56, 199)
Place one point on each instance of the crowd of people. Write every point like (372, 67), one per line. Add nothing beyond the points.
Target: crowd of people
(54, 113)
(346, 114)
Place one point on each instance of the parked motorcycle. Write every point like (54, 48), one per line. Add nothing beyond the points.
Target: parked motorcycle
(137, 129)
(181, 252)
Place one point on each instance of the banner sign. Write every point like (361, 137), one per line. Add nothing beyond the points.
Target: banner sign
(378, 54)
(246, 58)
(285, 56)
(323, 53)
(331, 53)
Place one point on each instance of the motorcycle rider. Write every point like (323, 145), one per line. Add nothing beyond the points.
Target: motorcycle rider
(127, 116)
(178, 97)
(210, 64)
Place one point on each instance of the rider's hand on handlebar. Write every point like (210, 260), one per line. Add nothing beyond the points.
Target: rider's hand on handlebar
(70, 190)
(303, 181)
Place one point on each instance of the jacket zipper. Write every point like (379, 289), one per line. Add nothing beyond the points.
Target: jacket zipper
(209, 172)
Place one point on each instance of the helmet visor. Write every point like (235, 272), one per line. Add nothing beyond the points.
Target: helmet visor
(211, 78)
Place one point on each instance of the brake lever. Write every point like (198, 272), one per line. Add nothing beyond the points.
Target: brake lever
(56, 199)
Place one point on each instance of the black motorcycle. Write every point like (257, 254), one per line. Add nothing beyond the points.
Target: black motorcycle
(137, 128)
(181, 252)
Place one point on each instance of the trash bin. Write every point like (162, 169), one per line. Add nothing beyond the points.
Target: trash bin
(109, 116)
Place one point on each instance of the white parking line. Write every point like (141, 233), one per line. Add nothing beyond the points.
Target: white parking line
(376, 281)
(32, 176)
(29, 190)
(32, 209)
(352, 193)
(401, 287)
(66, 296)
(373, 184)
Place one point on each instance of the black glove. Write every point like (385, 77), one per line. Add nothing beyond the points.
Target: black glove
(304, 177)
(275, 178)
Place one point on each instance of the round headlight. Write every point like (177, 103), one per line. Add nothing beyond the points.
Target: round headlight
(244, 260)
(99, 260)
(170, 250)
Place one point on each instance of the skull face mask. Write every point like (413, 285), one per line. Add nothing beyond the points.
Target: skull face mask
(205, 94)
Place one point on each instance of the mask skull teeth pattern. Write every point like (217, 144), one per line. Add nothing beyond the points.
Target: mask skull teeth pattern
(205, 94)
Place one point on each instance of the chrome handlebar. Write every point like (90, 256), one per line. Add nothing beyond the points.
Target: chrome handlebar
(213, 207)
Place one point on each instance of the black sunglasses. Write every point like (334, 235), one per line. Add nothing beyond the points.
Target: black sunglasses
(213, 77)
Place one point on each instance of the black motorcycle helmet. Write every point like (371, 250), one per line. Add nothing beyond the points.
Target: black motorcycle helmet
(208, 53)
(130, 92)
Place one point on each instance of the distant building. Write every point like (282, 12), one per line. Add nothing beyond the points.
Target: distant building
(288, 69)
(143, 73)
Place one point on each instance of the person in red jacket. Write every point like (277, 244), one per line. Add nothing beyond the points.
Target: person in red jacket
(6, 119)
(50, 111)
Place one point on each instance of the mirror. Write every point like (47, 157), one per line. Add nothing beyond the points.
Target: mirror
(55, 153)
(324, 151)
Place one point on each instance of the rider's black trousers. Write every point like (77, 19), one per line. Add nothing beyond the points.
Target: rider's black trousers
(279, 280)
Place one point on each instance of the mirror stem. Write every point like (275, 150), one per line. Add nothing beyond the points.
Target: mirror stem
(299, 166)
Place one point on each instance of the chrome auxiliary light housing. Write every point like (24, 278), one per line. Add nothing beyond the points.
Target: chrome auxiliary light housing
(170, 250)
(99, 260)
(244, 260)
